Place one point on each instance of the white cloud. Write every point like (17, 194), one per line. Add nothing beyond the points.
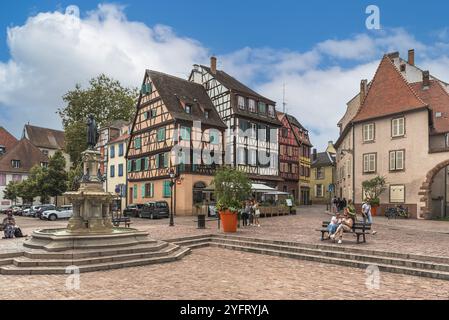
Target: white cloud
(52, 51)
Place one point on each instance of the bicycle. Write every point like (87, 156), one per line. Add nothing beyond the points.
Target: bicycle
(395, 212)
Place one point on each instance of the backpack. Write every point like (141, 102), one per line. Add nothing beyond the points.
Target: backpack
(18, 233)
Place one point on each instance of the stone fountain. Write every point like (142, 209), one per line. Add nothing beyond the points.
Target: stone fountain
(90, 240)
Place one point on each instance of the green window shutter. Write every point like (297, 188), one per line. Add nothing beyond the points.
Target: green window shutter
(161, 134)
(137, 143)
(167, 189)
(157, 161)
(146, 88)
(135, 191)
(129, 165)
(143, 191)
(151, 190)
(138, 165)
(147, 163)
(185, 133)
(166, 157)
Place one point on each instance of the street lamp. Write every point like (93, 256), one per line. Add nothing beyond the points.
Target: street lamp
(172, 183)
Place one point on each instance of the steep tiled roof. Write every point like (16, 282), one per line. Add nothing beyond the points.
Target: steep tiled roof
(173, 90)
(27, 153)
(6, 139)
(233, 84)
(44, 137)
(323, 159)
(438, 100)
(388, 94)
(121, 138)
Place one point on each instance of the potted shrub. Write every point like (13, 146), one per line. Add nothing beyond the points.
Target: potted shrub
(373, 189)
(231, 188)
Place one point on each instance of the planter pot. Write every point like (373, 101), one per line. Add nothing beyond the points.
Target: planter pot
(374, 210)
(228, 221)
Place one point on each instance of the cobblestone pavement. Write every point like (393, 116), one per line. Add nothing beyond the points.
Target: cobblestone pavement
(213, 273)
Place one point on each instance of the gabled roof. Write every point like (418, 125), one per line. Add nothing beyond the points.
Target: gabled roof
(27, 153)
(388, 94)
(323, 159)
(174, 90)
(121, 138)
(234, 85)
(44, 137)
(7, 139)
(438, 100)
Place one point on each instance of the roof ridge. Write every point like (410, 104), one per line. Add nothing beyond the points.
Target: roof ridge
(175, 77)
(50, 129)
(386, 57)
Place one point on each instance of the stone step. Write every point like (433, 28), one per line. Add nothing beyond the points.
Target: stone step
(80, 254)
(373, 259)
(339, 261)
(342, 248)
(195, 241)
(27, 262)
(15, 270)
(186, 238)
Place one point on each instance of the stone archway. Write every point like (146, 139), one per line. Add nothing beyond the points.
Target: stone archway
(426, 189)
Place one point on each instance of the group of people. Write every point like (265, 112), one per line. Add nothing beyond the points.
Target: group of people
(251, 213)
(338, 204)
(344, 222)
(10, 228)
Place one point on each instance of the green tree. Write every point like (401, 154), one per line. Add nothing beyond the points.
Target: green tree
(231, 188)
(105, 98)
(27, 190)
(373, 188)
(74, 175)
(11, 191)
(39, 177)
(56, 181)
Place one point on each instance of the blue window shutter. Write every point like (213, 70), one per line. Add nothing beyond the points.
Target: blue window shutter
(120, 149)
(120, 170)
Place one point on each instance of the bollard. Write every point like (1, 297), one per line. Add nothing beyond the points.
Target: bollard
(201, 221)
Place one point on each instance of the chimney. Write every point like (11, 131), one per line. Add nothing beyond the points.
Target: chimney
(363, 89)
(314, 154)
(213, 65)
(411, 57)
(425, 79)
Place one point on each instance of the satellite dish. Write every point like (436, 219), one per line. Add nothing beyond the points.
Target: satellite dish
(72, 10)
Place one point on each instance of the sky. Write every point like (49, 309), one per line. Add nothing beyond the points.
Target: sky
(320, 50)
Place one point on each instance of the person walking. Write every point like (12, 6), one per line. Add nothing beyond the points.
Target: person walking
(367, 217)
(246, 213)
(251, 213)
(334, 205)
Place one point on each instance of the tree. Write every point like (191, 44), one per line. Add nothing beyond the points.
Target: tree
(11, 191)
(74, 175)
(231, 188)
(105, 98)
(27, 190)
(56, 180)
(374, 188)
(39, 177)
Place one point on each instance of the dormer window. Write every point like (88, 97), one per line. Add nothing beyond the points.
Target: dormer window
(241, 102)
(45, 152)
(252, 105)
(146, 88)
(206, 114)
(403, 67)
(271, 111)
(15, 164)
(2, 150)
(188, 108)
(262, 107)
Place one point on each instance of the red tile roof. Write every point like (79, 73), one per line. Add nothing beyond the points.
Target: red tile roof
(388, 94)
(438, 100)
(123, 137)
(6, 139)
(27, 153)
(44, 137)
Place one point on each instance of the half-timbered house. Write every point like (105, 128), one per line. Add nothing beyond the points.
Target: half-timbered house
(176, 127)
(289, 147)
(252, 136)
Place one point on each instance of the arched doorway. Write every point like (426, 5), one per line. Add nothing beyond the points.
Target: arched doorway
(433, 177)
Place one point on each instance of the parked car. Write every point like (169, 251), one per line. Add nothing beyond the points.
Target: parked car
(133, 210)
(154, 210)
(64, 212)
(22, 208)
(43, 208)
(30, 212)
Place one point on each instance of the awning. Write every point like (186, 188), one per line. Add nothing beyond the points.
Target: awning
(277, 193)
(258, 187)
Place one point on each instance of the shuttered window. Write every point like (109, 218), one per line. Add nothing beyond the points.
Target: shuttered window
(135, 191)
(185, 133)
(137, 143)
(166, 189)
(149, 190)
(161, 134)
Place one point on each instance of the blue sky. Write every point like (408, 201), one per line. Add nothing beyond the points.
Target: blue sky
(263, 43)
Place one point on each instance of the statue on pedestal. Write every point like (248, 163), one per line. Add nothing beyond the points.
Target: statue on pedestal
(92, 132)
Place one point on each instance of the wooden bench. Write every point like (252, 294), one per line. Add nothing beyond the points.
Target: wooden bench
(126, 220)
(360, 229)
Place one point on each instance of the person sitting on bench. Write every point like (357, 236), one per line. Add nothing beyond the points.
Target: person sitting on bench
(346, 225)
(333, 225)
